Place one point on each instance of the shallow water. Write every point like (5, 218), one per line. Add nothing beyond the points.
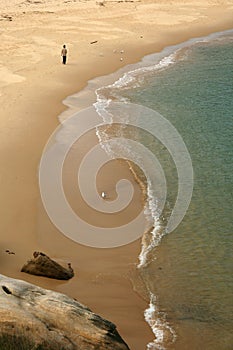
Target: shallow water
(188, 271)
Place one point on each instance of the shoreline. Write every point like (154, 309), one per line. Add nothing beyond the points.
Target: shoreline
(123, 76)
(29, 115)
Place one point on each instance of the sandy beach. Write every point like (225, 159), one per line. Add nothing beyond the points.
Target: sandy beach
(33, 84)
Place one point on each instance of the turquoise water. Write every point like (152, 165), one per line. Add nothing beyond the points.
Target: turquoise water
(190, 272)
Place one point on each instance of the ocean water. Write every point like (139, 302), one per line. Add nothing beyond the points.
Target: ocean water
(188, 271)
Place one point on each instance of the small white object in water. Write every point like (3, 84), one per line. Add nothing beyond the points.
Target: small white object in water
(122, 51)
(121, 59)
(103, 195)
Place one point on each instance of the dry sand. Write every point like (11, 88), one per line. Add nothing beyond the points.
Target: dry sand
(33, 83)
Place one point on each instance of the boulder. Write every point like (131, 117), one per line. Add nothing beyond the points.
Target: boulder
(33, 317)
(42, 265)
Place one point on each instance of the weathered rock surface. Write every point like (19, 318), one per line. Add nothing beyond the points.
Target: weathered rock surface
(52, 320)
(42, 265)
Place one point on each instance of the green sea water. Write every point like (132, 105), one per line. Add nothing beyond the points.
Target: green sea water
(190, 272)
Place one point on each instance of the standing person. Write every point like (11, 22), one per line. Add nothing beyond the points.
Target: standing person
(64, 54)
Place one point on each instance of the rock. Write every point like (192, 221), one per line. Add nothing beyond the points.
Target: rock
(44, 319)
(9, 252)
(6, 18)
(100, 3)
(42, 265)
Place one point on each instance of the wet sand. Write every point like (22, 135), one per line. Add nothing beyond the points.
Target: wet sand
(33, 84)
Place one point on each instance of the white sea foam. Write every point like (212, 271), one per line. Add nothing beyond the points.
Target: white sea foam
(152, 213)
(161, 329)
(130, 79)
(105, 95)
(111, 92)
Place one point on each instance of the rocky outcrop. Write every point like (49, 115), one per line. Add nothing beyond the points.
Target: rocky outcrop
(51, 320)
(42, 265)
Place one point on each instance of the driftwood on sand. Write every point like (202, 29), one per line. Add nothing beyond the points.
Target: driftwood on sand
(42, 265)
